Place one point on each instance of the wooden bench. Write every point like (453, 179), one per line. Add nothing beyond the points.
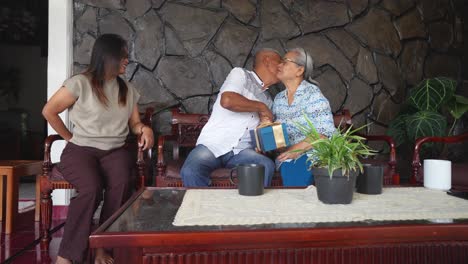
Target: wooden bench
(187, 127)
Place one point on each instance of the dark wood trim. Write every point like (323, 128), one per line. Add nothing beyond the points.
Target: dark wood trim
(331, 236)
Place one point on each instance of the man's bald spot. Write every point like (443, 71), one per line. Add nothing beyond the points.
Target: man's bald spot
(264, 53)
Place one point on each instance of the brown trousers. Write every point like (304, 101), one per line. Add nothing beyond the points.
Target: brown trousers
(91, 171)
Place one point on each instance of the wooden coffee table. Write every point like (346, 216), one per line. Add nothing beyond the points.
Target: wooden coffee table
(12, 171)
(142, 232)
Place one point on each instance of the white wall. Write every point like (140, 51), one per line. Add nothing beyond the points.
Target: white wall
(59, 68)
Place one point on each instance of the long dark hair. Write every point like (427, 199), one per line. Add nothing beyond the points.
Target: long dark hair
(108, 51)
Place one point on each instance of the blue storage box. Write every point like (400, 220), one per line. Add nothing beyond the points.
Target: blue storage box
(296, 172)
(270, 137)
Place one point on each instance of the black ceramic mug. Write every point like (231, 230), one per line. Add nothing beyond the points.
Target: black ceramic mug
(371, 180)
(250, 178)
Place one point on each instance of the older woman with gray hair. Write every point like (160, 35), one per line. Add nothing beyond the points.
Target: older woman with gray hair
(302, 97)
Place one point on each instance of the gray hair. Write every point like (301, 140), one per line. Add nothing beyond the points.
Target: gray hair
(304, 59)
(264, 50)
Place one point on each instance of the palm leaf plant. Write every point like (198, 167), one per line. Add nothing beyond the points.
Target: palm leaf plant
(423, 112)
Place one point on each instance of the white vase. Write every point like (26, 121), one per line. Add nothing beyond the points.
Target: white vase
(438, 174)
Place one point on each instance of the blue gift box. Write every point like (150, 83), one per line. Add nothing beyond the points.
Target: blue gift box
(270, 137)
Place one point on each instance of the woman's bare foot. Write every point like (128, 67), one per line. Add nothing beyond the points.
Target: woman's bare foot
(61, 260)
(102, 257)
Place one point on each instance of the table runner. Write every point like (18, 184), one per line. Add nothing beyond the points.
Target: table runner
(227, 207)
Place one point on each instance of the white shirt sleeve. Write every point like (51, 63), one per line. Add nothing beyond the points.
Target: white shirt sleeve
(235, 82)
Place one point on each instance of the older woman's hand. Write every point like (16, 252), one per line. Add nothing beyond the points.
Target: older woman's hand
(289, 155)
(294, 151)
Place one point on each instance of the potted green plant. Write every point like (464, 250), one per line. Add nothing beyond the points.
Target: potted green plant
(335, 162)
(428, 110)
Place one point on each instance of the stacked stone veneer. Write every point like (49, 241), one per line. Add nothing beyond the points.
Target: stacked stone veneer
(367, 53)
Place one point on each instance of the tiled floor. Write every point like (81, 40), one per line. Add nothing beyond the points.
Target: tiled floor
(19, 247)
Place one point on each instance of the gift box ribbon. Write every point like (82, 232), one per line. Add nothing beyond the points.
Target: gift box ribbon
(277, 133)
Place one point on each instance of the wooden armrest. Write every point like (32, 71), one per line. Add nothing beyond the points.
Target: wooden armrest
(140, 153)
(185, 130)
(184, 118)
(161, 141)
(47, 147)
(392, 162)
(147, 116)
(342, 119)
(141, 165)
(390, 142)
(416, 163)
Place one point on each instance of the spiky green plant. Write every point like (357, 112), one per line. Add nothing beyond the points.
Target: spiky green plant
(340, 151)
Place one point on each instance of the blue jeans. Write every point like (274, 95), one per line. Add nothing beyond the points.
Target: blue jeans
(201, 162)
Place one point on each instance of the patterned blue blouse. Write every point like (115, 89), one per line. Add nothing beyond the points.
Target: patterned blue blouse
(309, 101)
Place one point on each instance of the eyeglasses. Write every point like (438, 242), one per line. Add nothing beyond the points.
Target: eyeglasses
(284, 60)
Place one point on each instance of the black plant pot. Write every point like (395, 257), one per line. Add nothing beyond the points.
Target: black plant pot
(338, 189)
(371, 180)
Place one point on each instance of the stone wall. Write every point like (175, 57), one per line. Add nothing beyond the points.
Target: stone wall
(367, 53)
